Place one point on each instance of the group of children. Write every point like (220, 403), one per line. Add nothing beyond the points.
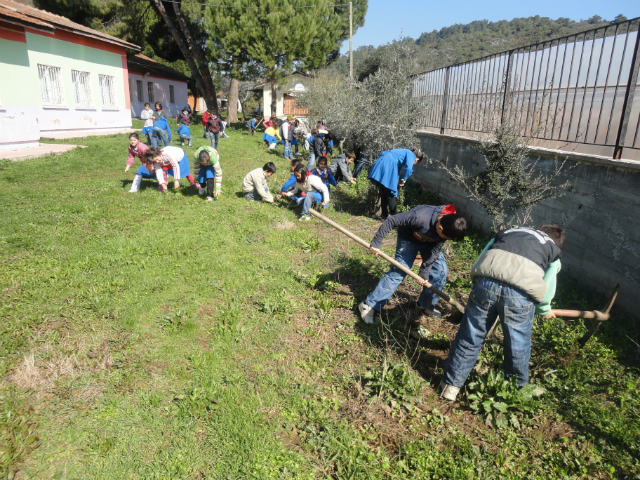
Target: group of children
(514, 276)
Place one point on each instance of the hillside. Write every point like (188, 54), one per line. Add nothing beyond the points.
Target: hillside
(463, 42)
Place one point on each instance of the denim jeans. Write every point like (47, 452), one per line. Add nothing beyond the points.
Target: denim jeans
(310, 200)
(287, 150)
(159, 134)
(359, 166)
(254, 195)
(489, 299)
(186, 138)
(406, 253)
(312, 161)
(214, 137)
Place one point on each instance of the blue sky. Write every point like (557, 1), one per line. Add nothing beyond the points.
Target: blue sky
(387, 20)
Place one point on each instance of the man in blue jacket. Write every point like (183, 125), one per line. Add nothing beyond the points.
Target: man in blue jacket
(423, 229)
(514, 276)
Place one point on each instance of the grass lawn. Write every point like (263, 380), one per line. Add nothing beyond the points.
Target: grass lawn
(164, 336)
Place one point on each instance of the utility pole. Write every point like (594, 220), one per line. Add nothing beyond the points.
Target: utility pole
(351, 39)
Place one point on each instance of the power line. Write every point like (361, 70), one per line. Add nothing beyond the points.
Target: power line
(253, 8)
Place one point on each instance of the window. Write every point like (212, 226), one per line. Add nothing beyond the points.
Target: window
(172, 98)
(107, 91)
(82, 88)
(51, 86)
(150, 91)
(139, 90)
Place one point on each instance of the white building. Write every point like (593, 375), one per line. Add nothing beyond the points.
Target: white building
(59, 78)
(286, 93)
(151, 81)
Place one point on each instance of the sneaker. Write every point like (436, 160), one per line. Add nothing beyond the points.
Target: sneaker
(210, 199)
(366, 312)
(304, 218)
(448, 392)
(201, 191)
(431, 313)
(182, 144)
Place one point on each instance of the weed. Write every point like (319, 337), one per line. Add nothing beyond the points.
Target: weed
(500, 402)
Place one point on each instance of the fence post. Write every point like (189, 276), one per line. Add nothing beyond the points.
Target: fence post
(445, 99)
(507, 81)
(628, 98)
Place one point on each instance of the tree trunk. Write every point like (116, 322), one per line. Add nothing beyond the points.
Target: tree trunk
(233, 100)
(274, 103)
(201, 81)
(209, 88)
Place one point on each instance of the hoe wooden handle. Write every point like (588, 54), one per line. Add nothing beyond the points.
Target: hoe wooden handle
(392, 261)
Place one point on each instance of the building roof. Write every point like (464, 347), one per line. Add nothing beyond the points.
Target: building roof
(144, 64)
(31, 17)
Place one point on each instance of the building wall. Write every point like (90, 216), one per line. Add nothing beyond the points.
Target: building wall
(160, 92)
(600, 213)
(266, 101)
(23, 118)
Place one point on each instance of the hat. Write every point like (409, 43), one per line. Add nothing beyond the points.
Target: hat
(322, 131)
(289, 117)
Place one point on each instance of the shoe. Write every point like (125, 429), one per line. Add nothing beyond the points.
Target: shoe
(182, 144)
(304, 218)
(366, 313)
(210, 199)
(431, 313)
(201, 191)
(448, 392)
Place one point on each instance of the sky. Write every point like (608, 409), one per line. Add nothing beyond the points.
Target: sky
(388, 20)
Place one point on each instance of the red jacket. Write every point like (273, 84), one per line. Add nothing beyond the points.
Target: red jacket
(205, 117)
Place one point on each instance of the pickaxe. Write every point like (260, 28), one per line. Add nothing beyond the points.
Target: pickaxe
(393, 261)
(598, 316)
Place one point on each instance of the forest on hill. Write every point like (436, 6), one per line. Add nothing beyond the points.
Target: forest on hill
(462, 42)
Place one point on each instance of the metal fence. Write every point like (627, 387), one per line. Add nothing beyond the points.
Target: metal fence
(575, 90)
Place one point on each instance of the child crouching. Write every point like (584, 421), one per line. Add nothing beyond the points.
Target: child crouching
(316, 191)
(207, 169)
(169, 161)
(324, 173)
(185, 135)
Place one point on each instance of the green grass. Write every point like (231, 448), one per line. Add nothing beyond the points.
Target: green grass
(164, 336)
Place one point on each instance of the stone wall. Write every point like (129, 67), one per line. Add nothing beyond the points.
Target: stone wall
(601, 212)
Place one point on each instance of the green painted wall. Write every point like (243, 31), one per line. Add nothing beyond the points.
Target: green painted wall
(20, 85)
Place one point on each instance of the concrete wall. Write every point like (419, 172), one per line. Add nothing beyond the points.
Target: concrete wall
(23, 119)
(600, 213)
(160, 93)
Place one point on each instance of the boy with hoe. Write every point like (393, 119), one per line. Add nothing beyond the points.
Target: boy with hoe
(423, 229)
(514, 276)
(254, 184)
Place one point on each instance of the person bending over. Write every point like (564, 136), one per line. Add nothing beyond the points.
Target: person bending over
(423, 229)
(513, 278)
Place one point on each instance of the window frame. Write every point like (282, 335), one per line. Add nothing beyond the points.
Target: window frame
(48, 88)
(87, 88)
(150, 93)
(140, 91)
(172, 94)
(108, 81)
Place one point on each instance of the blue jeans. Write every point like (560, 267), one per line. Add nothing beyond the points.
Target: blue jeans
(406, 253)
(312, 161)
(310, 200)
(214, 137)
(489, 299)
(157, 135)
(287, 150)
(359, 166)
(186, 138)
(254, 195)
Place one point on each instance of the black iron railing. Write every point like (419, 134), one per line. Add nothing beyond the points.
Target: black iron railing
(578, 89)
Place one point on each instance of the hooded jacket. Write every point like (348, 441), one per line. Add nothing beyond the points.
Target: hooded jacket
(341, 163)
(519, 257)
(418, 225)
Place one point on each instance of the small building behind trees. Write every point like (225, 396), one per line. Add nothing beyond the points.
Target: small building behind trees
(286, 95)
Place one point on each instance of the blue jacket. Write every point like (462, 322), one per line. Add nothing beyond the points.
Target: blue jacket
(183, 130)
(386, 169)
(162, 124)
(290, 184)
